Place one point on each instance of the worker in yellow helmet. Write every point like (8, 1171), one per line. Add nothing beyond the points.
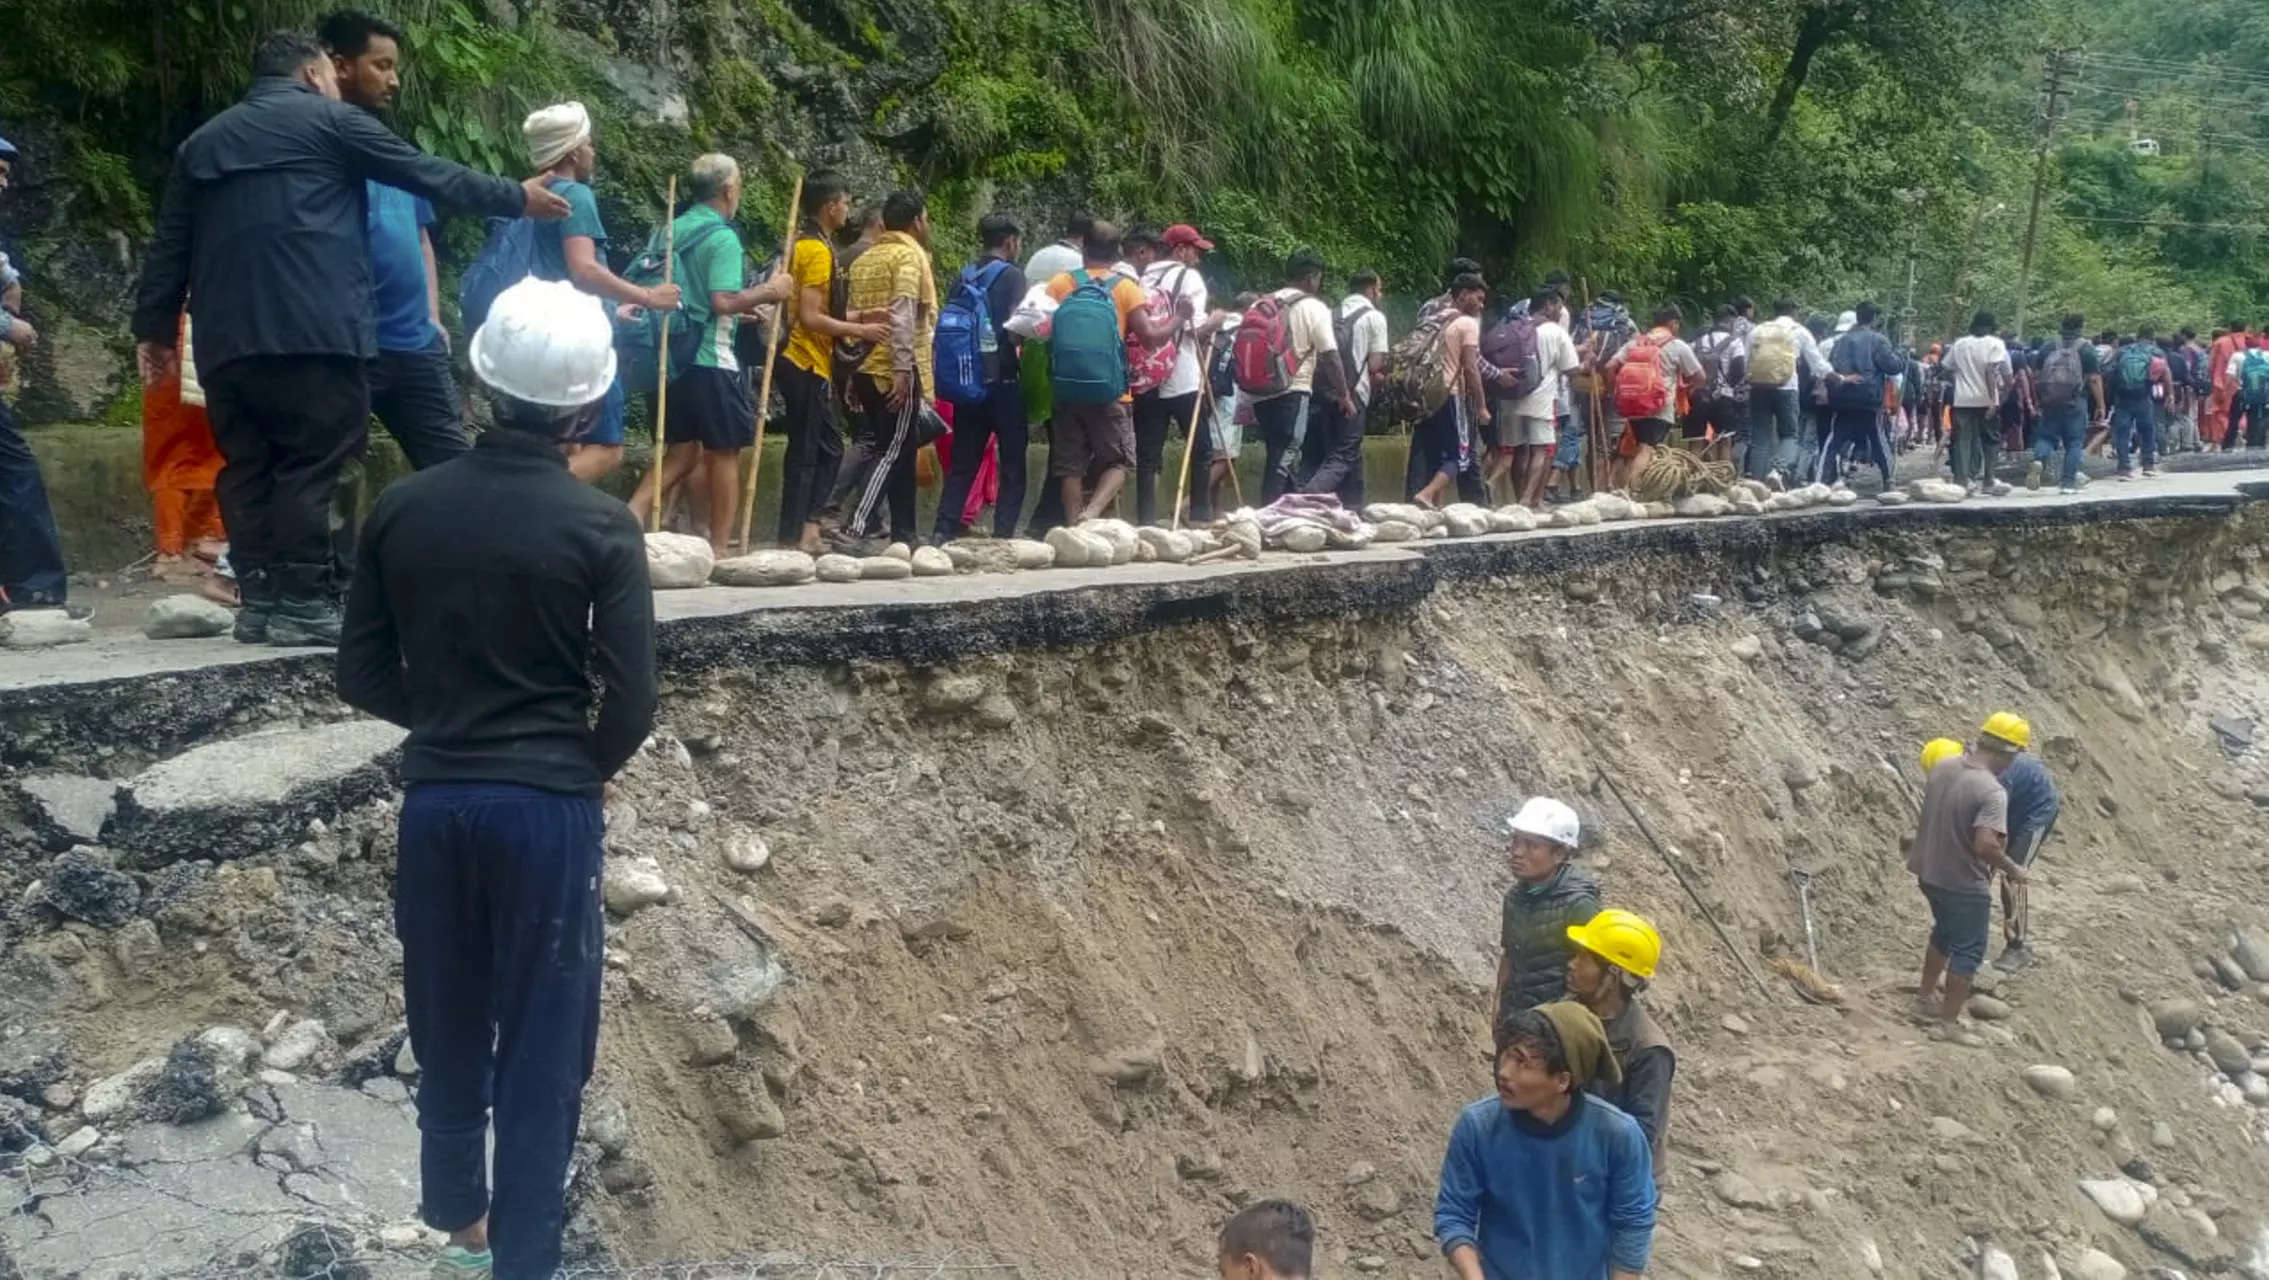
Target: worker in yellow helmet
(1937, 751)
(1614, 958)
(1960, 841)
(2033, 806)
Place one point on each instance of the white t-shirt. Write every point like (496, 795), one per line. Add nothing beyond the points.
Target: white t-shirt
(1556, 355)
(1973, 359)
(1188, 282)
(1309, 322)
(1367, 337)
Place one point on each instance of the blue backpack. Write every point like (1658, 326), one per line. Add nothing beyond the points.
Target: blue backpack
(966, 350)
(1087, 353)
(507, 257)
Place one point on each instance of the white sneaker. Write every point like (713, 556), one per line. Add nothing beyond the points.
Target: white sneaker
(2151, 473)
(1998, 489)
(2068, 489)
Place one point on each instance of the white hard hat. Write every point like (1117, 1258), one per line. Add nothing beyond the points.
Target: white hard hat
(1548, 818)
(548, 343)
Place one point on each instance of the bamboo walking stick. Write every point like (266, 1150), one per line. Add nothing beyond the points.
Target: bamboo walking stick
(662, 352)
(1189, 441)
(772, 354)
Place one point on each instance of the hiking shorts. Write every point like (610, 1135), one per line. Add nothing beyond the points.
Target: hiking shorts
(1092, 437)
(1650, 432)
(1959, 923)
(1533, 432)
(712, 407)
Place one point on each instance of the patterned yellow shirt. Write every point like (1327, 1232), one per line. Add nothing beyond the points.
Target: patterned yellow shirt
(894, 267)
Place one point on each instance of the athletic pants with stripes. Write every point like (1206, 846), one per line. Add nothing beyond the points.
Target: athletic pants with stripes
(1852, 431)
(881, 462)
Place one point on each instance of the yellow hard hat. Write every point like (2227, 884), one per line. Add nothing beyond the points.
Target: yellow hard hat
(2010, 728)
(1938, 750)
(1621, 938)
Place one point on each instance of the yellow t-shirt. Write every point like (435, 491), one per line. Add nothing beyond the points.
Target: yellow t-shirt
(812, 265)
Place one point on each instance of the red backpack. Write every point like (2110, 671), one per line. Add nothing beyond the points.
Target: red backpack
(1640, 391)
(1261, 355)
(1148, 366)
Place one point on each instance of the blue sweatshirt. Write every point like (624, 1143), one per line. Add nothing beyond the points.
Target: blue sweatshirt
(2033, 802)
(1565, 1201)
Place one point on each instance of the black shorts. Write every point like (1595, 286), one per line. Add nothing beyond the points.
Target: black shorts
(712, 407)
(1650, 432)
(1728, 415)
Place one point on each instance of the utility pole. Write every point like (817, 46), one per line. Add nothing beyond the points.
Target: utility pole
(2060, 67)
(1912, 198)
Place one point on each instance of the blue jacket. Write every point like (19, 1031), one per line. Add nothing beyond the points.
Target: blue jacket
(1559, 1202)
(2033, 802)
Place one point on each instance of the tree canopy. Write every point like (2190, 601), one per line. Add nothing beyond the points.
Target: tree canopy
(1684, 150)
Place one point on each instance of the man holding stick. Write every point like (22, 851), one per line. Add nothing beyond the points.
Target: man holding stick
(710, 418)
(558, 138)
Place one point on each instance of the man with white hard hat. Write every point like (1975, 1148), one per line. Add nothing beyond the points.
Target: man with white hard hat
(1548, 896)
(491, 594)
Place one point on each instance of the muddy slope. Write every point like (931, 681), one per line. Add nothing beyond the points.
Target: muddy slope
(1056, 954)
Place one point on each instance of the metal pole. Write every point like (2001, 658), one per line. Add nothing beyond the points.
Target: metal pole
(2061, 62)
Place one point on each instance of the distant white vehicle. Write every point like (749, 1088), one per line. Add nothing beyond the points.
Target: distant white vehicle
(2144, 146)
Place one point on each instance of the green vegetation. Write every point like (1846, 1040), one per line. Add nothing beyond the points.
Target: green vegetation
(1677, 149)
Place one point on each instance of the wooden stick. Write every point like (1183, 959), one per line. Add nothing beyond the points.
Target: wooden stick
(662, 352)
(1190, 441)
(780, 324)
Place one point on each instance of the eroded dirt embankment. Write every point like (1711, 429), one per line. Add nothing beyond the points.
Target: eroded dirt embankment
(1051, 954)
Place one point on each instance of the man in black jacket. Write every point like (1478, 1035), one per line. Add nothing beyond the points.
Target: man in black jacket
(1862, 359)
(484, 637)
(263, 231)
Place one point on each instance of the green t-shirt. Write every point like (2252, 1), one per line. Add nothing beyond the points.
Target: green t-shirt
(582, 220)
(713, 263)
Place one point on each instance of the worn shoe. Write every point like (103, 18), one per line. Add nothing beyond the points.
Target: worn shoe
(2069, 489)
(257, 591)
(2124, 476)
(2151, 473)
(304, 620)
(1997, 489)
(459, 1263)
(2033, 475)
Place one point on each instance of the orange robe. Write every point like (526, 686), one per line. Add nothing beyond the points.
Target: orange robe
(179, 464)
(2214, 419)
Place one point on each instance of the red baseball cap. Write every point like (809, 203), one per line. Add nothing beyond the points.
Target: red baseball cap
(1182, 233)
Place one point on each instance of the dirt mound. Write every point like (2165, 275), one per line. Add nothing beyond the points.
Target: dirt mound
(1052, 957)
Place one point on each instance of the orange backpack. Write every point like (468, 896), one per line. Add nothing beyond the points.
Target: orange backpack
(1639, 388)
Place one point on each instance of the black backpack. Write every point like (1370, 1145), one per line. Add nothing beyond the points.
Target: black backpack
(1343, 332)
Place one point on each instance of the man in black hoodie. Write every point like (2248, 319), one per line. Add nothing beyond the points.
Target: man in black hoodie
(1547, 897)
(491, 596)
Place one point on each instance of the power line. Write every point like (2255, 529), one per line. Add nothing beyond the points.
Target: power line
(2204, 104)
(2250, 228)
(2154, 66)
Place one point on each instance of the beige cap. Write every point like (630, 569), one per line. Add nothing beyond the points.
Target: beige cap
(553, 131)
